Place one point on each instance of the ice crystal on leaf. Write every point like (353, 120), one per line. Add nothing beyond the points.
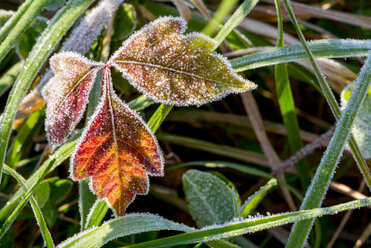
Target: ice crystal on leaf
(175, 68)
(117, 150)
(67, 94)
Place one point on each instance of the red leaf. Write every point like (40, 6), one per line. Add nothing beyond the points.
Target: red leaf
(67, 94)
(117, 150)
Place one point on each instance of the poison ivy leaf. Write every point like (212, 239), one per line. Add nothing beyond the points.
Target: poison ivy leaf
(174, 68)
(67, 94)
(117, 150)
(210, 200)
(361, 128)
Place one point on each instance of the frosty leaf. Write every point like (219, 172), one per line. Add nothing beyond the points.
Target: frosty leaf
(175, 68)
(361, 128)
(67, 94)
(117, 150)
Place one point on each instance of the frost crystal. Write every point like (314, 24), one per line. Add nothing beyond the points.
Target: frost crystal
(175, 68)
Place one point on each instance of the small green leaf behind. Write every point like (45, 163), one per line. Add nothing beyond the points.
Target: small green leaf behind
(42, 193)
(256, 198)
(361, 128)
(210, 200)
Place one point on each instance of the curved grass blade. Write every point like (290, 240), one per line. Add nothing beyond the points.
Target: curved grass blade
(35, 207)
(47, 42)
(138, 223)
(174, 68)
(11, 218)
(327, 48)
(8, 78)
(123, 226)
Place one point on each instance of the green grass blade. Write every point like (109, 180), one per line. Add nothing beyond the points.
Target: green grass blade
(123, 226)
(327, 48)
(287, 107)
(249, 225)
(325, 171)
(223, 10)
(235, 20)
(47, 42)
(14, 19)
(253, 201)
(96, 214)
(158, 117)
(138, 223)
(59, 156)
(362, 165)
(12, 217)
(232, 152)
(21, 25)
(9, 76)
(35, 207)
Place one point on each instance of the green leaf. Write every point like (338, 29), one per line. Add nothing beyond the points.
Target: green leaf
(326, 48)
(8, 78)
(125, 22)
(210, 200)
(28, 39)
(50, 213)
(253, 201)
(60, 188)
(42, 193)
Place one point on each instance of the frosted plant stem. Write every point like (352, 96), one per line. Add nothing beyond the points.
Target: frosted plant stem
(35, 207)
(47, 42)
(14, 19)
(325, 171)
(23, 21)
(335, 109)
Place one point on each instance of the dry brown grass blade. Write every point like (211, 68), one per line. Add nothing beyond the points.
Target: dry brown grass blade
(257, 123)
(364, 237)
(183, 9)
(307, 11)
(343, 221)
(202, 8)
(31, 103)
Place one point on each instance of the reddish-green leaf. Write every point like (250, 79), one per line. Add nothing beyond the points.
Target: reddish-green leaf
(117, 150)
(175, 68)
(67, 94)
